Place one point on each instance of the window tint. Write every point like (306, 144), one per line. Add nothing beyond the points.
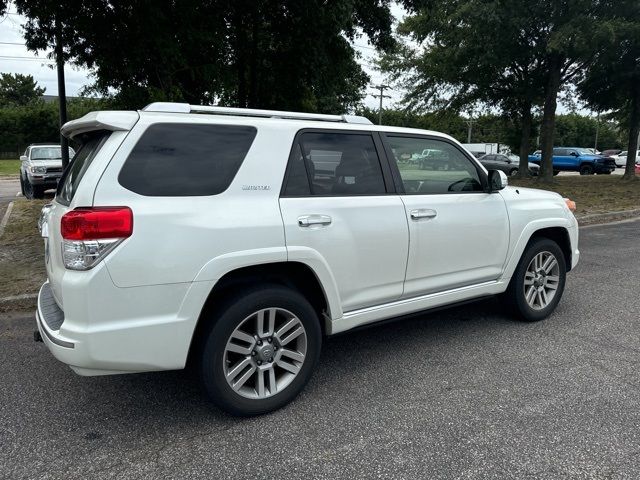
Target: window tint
(68, 184)
(336, 164)
(297, 180)
(446, 169)
(173, 160)
(561, 152)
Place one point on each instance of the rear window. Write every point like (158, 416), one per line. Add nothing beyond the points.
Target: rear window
(177, 159)
(90, 145)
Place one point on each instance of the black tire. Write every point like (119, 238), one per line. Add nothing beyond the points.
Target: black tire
(38, 191)
(27, 189)
(586, 170)
(513, 172)
(515, 294)
(225, 321)
(556, 172)
(22, 185)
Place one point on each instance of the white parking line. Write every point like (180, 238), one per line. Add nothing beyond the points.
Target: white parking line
(5, 218)
(19, 194)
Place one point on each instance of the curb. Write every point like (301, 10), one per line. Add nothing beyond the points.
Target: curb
(609, 217)
(19, 303)
(5, 218)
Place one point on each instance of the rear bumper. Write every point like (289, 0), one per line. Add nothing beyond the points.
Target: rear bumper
(106, 330)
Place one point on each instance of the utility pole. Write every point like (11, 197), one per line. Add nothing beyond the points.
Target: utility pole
(382, 88)
(469, 123)
(62, 95)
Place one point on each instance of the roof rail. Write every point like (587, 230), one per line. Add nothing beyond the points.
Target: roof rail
(171, 107)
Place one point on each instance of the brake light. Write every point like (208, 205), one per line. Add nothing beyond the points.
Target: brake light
(97, 223)
(90, 234)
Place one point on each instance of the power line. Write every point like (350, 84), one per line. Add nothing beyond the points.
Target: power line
(33, 59)
(12, 43)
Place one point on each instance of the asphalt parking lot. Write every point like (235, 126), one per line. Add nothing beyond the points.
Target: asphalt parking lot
(464, 393)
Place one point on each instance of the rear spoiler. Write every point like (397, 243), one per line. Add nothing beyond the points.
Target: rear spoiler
(108, 120)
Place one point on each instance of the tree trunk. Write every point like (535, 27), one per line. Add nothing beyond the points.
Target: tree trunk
(634, 129)
(525, 140)
(547, 129)
(241, 58)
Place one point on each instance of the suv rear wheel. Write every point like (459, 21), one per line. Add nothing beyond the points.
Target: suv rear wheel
(538, 282)
(261, 350)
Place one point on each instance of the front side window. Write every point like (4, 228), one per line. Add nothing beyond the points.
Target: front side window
(335, 164)
(178, 159)
(445, 170)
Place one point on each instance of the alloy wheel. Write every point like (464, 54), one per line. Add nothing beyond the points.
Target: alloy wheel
(541, 280)
(265, 353)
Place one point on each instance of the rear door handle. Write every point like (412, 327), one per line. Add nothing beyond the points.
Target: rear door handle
(311, 220)
(423, 213)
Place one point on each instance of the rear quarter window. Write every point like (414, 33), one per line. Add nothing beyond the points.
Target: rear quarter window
(90, 144)
(177, 159)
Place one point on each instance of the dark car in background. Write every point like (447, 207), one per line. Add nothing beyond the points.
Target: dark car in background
(508, 164)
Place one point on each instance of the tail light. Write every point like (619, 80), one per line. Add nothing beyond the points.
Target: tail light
(90, 234)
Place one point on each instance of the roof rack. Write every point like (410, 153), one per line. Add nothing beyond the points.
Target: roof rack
(171, 107)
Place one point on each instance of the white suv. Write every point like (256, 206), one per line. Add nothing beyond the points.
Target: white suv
(236, 239)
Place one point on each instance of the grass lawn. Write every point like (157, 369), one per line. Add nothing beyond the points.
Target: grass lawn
(9, 167)
(592, 193)
(22, 267)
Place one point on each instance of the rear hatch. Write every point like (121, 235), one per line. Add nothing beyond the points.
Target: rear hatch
(99, 135)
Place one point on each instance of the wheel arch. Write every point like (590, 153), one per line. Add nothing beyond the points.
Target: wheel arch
(556, 230)
(295, 275)
(559, 235)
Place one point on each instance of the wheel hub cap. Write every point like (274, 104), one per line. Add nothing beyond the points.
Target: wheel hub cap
(264, 353)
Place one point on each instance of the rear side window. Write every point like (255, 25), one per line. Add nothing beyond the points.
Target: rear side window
(177, 159)
(335, 164)
(90, 144)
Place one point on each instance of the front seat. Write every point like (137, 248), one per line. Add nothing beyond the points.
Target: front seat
(355, 175)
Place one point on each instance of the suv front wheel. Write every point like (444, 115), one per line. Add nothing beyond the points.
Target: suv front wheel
(31, 191)
(261, 350)
(538, 282)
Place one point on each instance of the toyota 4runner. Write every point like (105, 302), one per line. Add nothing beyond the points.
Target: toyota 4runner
(40, 168)
(236, 239)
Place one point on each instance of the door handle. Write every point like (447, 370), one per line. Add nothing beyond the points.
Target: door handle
(311, 220)
(423, 213)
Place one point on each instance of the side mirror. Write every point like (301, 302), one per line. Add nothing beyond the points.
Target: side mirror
(497, 180)
(574, 154)
(23, 158)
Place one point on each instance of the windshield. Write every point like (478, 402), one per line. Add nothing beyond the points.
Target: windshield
(584, 151)
(49, 153)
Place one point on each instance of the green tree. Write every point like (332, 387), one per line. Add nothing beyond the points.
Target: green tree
(250, 53)
(509, 54)
(470, 52)
(17, 89)
(571, 32)
(613, 81)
